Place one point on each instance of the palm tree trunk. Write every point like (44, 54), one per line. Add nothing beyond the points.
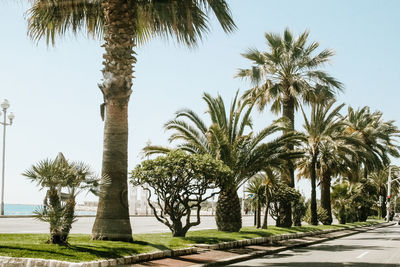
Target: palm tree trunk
(288, 173)
(69, 217)
(55, 204)
(265, 223)
(314, 215)
(258, 213)
(112, 219)
(255, 216)
(227, 213)
(326, 195)
(383, 203)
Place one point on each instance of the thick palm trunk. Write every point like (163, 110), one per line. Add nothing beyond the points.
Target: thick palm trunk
(112, 219)
(69, 217)
(288, 172)
(227, 213)
(55, 205)
(265, 223)
(314, 215)
(326, 195)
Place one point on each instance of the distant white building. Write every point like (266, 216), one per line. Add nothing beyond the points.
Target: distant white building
(138, 204)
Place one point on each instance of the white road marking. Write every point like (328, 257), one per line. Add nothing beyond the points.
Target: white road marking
(362, 254)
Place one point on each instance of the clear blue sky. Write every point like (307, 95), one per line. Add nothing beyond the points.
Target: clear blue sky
(54, 94)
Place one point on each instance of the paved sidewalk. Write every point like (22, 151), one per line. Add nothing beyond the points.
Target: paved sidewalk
(209, 257)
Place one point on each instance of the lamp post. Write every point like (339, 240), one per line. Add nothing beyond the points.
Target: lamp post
(4, 106)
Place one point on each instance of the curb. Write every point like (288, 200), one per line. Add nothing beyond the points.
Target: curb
(33, 262)
(256, 254)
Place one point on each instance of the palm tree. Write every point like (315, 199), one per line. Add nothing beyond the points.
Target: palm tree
(335, 158)
(122, 24)
(325, 130)
(64, 180)
(286, 75)
(230, 139)
(268, 179)
(340, 197)
(257, 190)
(379, 179)
(378, 135)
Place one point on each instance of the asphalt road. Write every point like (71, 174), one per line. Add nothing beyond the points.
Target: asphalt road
(84, 225)
(379, 247)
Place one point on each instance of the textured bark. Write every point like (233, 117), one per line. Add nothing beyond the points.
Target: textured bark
(227, 212)
(383, 202)
(112, 219)
(55, 203)
(69, 216)
(265, 223)
(326, 195)
(288, 172)
(314, 215)
(178, 228)
(258, 222)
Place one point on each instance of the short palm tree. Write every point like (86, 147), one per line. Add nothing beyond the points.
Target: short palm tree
(286, 75)
(63, 180)
(340, 198)
(122, 24)
(229, 138)
(256, 189)
(264, 185)
(324, 131)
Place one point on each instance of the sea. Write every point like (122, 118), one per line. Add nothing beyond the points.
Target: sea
(26, 209)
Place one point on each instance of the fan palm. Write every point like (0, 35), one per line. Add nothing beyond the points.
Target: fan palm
(256, 188)
(324, 132)
(59, 207)
(230, 139)
(122, 24)
(335, 158)
(380, 179)
(286, 75)
(340, 197)
(264, 185)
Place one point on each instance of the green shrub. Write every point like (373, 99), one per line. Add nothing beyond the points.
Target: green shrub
(322, 214)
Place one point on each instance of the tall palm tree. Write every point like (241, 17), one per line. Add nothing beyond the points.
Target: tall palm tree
(378, 135)
(335, 158)
(229, 138)
(324, 129)
(286, 75)
(122, 24)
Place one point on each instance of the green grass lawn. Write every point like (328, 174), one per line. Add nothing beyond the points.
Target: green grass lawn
(83, 249)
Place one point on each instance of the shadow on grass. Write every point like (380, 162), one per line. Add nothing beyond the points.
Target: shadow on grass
(104, 251)
(78, 252)
(246, 233)
(32, 251)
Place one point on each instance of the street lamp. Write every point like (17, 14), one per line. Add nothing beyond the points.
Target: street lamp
(4, 106)
(389, 192)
